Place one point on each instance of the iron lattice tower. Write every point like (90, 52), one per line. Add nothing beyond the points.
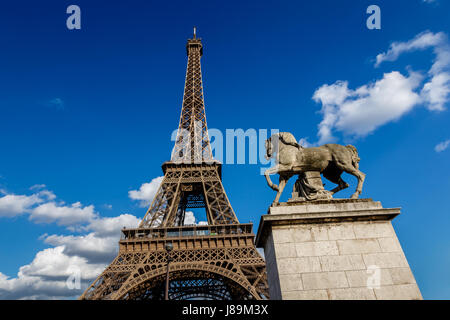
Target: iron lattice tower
(215, 261)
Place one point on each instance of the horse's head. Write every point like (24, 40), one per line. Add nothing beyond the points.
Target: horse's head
(280, 140)
(268, 149)
(271, 145)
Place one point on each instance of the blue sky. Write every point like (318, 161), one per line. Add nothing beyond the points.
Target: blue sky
(86, 117)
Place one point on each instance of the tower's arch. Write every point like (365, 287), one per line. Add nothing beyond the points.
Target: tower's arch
(190, 281)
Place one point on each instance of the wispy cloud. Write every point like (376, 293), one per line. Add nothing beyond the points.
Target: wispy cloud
(38, 187)
(442, 146)
(421, 41)
(56, 103)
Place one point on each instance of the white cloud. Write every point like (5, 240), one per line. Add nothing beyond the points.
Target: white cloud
(53, 263)
(13, 205)
(146, 192)
(91, 247)
(45, 277)
(189, 218)
(436, 90)
(63, 215)
(89, 252)
(111, 226)
(359, 112)
(48, 195)
(442, 146)
(100, 245)
(33, 288)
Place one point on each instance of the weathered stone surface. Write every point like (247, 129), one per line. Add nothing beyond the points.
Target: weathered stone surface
(356, 246)
(342, 263)
(322, 254)
(326, 206)
(373, 230)
(398, 292)
(272, 269)
(306, 295)
(285, 250)
(319, 248)
(324, 280)
(282, 235)
(341, 231)
(402, 276)
(319, 233)
(352, 294)
(385, 260)
(389, 245)
(291, 282)
(299, 265)
(300, 234)
(358, 278)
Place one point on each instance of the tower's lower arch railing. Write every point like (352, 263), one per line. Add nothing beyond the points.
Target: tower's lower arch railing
(176, 272)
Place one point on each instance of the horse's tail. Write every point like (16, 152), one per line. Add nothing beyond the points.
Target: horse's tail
(355, 156)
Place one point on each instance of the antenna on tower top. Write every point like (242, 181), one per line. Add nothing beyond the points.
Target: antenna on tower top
(195, 29)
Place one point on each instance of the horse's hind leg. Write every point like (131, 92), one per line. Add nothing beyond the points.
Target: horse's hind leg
(333, 174)
(360, 176)
(341, 185)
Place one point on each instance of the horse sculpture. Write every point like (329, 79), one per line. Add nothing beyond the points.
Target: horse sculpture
(330, 159)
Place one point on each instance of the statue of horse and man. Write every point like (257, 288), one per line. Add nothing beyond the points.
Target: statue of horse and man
(330, 160)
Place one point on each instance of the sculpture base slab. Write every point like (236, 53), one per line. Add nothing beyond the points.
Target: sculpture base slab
(333, 250)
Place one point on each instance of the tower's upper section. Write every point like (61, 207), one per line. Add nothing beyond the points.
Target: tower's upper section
(194, 44)
(192, 144)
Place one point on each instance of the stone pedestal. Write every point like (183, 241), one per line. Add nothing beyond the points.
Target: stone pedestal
(334, 249)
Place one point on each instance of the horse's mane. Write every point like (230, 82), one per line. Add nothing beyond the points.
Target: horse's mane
(287, 137)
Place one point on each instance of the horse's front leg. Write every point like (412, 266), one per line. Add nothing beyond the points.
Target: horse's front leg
(267, 174)
(282, 184)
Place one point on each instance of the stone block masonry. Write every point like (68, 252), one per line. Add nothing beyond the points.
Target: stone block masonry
(334, 249)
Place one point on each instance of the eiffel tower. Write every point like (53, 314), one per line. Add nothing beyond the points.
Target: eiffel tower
(217, 261)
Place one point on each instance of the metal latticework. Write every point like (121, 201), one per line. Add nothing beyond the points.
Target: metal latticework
(189, 186)
(216, 261)
(226, 254)
(192, 143)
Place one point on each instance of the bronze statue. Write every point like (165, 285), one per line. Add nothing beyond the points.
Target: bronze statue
(331, 160)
